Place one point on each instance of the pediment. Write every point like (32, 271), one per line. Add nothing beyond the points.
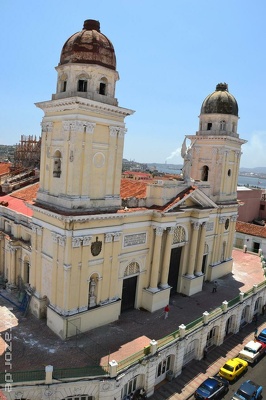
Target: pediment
(190, 198)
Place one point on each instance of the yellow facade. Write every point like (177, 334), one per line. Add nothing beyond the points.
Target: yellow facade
(89, 258)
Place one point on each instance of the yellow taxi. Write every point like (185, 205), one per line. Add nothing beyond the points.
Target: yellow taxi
(233, 368)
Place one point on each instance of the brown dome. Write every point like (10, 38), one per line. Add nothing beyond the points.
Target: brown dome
(89, 46)
(220, 102)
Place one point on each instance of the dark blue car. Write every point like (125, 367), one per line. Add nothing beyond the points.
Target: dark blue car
(249, 390)
(262, 336)
(212, 388)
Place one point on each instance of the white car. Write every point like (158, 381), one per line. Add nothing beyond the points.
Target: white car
(252, 351)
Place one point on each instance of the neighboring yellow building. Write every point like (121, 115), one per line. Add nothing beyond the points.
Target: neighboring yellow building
(89, 249)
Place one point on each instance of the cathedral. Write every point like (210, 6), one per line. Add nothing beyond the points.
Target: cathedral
(90, 245)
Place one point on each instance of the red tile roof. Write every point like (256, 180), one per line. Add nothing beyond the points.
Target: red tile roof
(15, 204)
(4, 168)
(28, 193)
(251, 229)
(131, 188)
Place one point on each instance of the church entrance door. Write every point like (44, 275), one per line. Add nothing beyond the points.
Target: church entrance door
(129, 293)
(174, 268)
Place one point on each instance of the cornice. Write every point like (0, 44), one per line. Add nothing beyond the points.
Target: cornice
(86, 217)
(80, 103)
(216, 138)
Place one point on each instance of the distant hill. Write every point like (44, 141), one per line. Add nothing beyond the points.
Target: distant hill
(256, 170)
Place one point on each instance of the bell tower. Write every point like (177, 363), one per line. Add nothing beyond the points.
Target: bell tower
(83, 128)
(216, 147)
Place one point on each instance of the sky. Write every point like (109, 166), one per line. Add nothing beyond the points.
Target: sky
(170, 55)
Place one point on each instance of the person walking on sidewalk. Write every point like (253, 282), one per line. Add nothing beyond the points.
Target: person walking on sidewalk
(166, 311)
(214, 288)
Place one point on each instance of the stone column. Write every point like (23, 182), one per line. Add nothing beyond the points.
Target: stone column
(201, 250)
(193, 249)
(156, 260)
(166, 257)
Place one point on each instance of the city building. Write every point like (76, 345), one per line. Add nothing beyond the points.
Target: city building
(250, 227)
(89, 245)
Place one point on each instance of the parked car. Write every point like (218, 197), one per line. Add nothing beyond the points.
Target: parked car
(212, 388)
(233, 368)
(249, 390)
(262, 336)
(252, 351)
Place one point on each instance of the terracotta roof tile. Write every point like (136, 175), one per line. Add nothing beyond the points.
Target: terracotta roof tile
(28, 193)
(131, 188)
(4, 168)
(251, 229)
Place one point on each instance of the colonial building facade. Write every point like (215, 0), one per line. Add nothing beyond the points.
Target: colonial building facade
(90, 252)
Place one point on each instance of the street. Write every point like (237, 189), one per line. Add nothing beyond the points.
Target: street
(255, 373)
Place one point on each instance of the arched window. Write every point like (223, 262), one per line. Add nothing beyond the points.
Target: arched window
(205, 173)
(132, 269)
(234, 127)
(222, 125)
(179, 235)
(103, 87)
(63, 83)
(63, 86)
(57, 164)
(82, 84)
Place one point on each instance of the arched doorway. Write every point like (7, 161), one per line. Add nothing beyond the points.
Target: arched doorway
(174, 268)
(212, 337)
(129, 286)
(178, 240)
(229, 325)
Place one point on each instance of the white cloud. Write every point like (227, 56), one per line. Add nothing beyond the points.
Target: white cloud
(253, 152)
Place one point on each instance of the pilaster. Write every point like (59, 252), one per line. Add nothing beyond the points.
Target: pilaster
(156, 260)
(201, 249)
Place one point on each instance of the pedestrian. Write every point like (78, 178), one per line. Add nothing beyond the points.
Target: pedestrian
(166, 311)
(255, 334)
(205, 352)
(214, 288)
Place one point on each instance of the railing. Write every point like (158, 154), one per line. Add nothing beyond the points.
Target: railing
(136, 357)
(22, 376)
(168, 339)
(63, 373)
